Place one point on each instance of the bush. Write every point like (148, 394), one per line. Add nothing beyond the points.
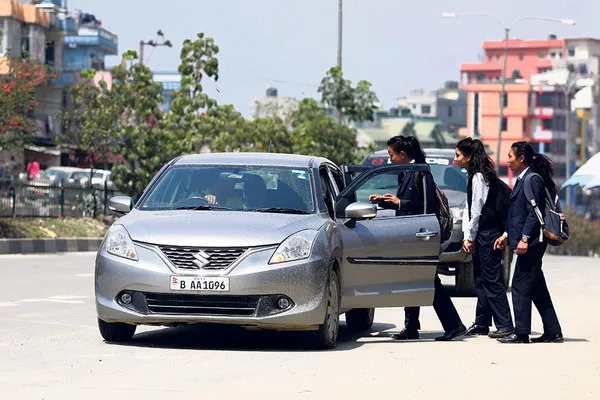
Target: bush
(584, 238)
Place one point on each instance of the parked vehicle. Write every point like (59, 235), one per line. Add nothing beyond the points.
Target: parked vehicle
(262, 240)
(453, 182)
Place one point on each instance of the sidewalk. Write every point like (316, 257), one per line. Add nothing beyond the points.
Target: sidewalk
(30, 246)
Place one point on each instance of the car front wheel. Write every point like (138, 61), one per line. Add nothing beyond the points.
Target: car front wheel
(326, 336)
(360, 319)
(116, 331)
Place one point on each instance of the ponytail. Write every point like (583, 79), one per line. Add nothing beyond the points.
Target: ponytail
(539, 163)
(409, 145)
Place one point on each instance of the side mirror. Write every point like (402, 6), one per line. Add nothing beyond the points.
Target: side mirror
(120, 205)
(360, 211)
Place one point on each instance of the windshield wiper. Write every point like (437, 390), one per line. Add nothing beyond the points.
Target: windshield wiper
(202, 207)
(282, 210)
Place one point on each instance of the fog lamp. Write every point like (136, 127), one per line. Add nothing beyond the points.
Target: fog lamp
(126, 298)
(283, 303)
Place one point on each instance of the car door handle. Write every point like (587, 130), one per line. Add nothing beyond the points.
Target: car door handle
(426, 234)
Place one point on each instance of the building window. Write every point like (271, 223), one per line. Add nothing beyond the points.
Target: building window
(425, 109)
(524, 125)
(480, 76)
(50, 52)
(450, 111)
(542, 54)
(521, 56)
(504, 124)
(490, 58)
(571, 51)
(504, 100)
(560, 54)
(552, 54)
(548, 99)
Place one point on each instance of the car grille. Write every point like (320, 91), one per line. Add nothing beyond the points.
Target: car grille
(159, 303)
(202, 258)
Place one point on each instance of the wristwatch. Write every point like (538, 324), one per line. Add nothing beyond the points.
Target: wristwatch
(524, 238)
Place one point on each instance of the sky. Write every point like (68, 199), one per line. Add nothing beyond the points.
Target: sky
(397, 45)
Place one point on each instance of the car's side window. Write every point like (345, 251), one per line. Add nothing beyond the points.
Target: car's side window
(337, 179)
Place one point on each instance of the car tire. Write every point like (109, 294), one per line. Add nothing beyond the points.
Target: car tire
(465, 280)
(326, 336)
(360, 319)
(116, 331)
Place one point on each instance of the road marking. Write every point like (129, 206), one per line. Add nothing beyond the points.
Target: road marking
(84, 275)
(52, 301)
(7, 304)
(67, 297)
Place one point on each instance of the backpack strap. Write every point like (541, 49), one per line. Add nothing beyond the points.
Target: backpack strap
(530, 197)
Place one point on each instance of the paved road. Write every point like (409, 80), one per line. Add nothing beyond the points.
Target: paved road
(50, 349)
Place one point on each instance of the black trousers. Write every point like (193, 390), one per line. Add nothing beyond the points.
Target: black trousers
(529, 285)
(492, 301)
(443, 306)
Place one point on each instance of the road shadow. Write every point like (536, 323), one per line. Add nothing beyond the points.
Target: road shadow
(233, 338)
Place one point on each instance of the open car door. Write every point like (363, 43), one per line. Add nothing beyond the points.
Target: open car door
(389, 260)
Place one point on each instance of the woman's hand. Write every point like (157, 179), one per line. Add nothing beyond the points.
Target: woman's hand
(522, 247)
(375, 198)
(467, 246)
(390, 198)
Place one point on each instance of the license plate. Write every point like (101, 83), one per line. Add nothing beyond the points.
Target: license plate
(200, 283)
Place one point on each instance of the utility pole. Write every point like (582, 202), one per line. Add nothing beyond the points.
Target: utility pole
(502, 97)
(570, 85)
(339, 51)
(153, 43)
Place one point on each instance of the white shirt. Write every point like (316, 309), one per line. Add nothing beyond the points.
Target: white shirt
(521, 175)
(479, 192)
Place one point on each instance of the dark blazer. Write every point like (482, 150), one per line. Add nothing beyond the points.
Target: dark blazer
(410, 193)
(521, 219)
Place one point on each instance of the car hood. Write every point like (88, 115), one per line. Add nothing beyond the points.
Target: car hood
(456, 198)
(215, 228)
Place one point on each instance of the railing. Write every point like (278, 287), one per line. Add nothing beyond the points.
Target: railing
(40, 198)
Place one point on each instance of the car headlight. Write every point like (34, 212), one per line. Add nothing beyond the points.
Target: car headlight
(118, 243)
(296, 247)
(457, 213)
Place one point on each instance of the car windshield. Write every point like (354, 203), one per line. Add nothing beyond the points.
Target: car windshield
(233, 187)
(54, 174)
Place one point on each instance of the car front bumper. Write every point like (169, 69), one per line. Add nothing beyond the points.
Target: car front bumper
(254, 289)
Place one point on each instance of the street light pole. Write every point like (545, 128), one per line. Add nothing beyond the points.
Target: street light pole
(507, 30)
(339, 52)
(153, 43)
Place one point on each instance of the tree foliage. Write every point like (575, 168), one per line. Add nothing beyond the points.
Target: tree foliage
(18, 100)
(355, 103)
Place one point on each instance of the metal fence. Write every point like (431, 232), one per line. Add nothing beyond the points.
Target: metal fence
(53, 199)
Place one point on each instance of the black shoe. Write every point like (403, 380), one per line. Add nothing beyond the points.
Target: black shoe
(514, 338)
(406, 334)
(448, 336)
(501, 332)
(556, 338)
(477, 330)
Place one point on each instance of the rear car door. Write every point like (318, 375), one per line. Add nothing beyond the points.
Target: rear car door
(389, 260)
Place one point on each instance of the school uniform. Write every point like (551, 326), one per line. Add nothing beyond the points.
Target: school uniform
(482, 227)
(529, 285)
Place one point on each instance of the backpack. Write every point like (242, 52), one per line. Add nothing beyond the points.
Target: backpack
(443, 214)
(502, 201)
(553, 222)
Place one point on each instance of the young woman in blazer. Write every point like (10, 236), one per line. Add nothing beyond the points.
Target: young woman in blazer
(409, 201)
(481, 228)
(524, 234)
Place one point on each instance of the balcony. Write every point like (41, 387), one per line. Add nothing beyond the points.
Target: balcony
(95, 36)
(65, 79)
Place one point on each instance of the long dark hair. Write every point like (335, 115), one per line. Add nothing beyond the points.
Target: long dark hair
(409, 145)
(480, 161)
(539, 163)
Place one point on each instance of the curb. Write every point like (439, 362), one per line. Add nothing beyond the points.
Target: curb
(31, 246)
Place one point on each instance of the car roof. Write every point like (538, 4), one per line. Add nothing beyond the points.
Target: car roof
(247, 158)
(429, 152)
(65, 169)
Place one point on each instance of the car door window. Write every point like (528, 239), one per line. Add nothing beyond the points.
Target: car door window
(327, 190)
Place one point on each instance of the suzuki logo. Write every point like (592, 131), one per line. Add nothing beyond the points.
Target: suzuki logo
(201, 259)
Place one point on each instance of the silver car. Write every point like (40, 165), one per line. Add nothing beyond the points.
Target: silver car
(258, 240)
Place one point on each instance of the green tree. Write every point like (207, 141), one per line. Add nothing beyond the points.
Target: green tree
(198, 59)
(141, 140)
(313, 132)
(354, 103)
